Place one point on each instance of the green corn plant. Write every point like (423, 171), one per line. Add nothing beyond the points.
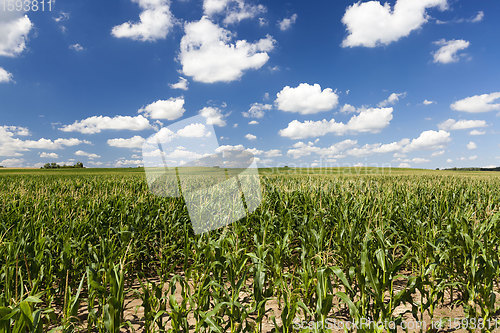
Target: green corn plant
(112, 317)
(178, 312)
(22, 317)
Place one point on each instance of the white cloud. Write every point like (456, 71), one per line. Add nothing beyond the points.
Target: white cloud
(448, 52)
(213, 115)
(170, 109)
(273, 153)
(478, 18)
(477, 132)
(429, 140)
(378, 148)
(224, 148)
(452, 124)
(306, 99)
(133, 142)
(96, 124)
(257, 110)
(449, 160)
(96, 163)
(163, 135)
(287, 23)
(250, 137)
(5, 76)
(212, 7)
(253, 122)
(391, 100)
(76, 47)
(127, 163)
(10, 145)
(181, 84)
(194, 131)
(301, 149)
(348, 108)
(234, 10)
(207, 54)
(13, 131)
(416, 160)
(371, 24)
(155, 22)
(478, 103)
(367, 121)
(48, 155)
(14, 33)
(404, 165)
(471, 145)
(63, 16)
(180, 154)
(12, 162)
(427, 102)
(88, 155)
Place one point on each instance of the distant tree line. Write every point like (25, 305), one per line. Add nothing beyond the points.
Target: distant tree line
(78, 165)
(474, 169)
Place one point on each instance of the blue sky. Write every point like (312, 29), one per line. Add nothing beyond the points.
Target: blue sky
(407, 83)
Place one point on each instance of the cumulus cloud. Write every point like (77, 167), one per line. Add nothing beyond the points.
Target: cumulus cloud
(182, 84)
(429, 140)
(452, 124)
(250, 137)
(96, 124)
(207, 54)
(257, 110)
(478, 103)
(471, 145)
(88, 155)
(448, 52)
(196, 130)
(133, 142)
(378, 148)
(14, 33)
(127, 163)
(405, 161)
(5, 76)
(306, 99)
(477, 132)
(77, 47)
(301, 149)
(391, 100)
(213, 115)
(273, 153)
(253, 122)
(234, 10)
(170, 109)
(371, 120)
(155, 22)
(427, 102)
(348, 108)
(12, 162)
(478, 18)
(48, 155)
(287, 22)
(12, 145)
(372, 24)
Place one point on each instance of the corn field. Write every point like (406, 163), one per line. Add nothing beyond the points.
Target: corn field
(89, 252)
